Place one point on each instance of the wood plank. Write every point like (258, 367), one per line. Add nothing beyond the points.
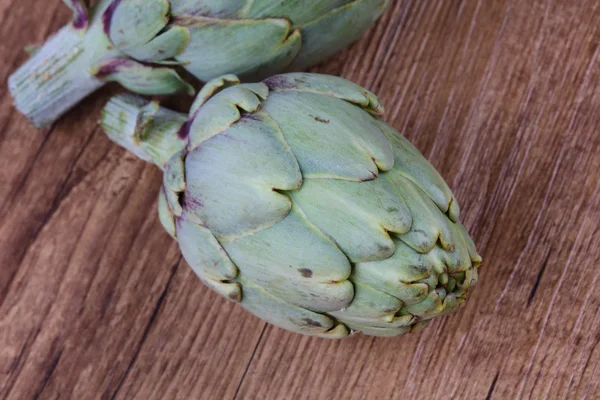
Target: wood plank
(502, 97)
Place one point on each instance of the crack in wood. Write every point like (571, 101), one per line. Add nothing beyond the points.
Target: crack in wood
(492, 387)
(538, 279)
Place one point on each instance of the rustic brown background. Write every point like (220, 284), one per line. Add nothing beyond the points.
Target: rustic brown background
(502, 96)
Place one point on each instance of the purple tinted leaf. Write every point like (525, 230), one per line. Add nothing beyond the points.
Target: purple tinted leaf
(184, 132)
(112, 67)
(80, 13)
(108, 16)
(141, 78)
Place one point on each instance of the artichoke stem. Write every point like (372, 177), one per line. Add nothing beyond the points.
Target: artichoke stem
(58, 76)
(150, 132)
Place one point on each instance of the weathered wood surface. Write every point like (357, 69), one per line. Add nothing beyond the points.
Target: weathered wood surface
(502, 96)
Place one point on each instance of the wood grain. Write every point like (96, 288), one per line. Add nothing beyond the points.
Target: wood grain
(502, 96)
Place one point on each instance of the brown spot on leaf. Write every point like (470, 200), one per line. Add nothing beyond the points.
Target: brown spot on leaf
(319, 119)
(278, 82)
(383, 248)
(312, 322)
(305, 272)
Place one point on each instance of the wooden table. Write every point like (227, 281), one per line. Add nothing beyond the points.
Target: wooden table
(502, 96)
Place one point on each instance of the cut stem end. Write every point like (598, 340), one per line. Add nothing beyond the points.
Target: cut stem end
(144, 128)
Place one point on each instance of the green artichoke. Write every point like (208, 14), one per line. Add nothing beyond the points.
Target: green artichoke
(292, 198)
(138, 42)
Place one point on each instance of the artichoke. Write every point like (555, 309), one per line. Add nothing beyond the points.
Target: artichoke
(138, 42)
(292, 198)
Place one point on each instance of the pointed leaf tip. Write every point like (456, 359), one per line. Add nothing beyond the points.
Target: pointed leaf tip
(80, 13)
(211, 88)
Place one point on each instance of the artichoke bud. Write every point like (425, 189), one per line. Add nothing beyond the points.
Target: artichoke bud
(293, 198)
(138, 43)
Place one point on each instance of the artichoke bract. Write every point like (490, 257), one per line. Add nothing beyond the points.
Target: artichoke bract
(292, 198)
(138, 42)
